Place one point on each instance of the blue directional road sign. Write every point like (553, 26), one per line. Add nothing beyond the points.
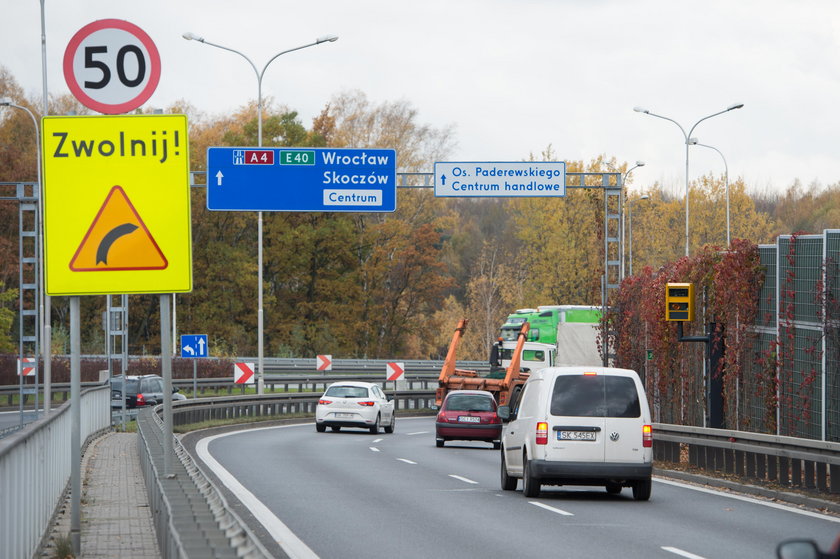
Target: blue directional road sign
(194, 345)
(500, 179)
(301, 179)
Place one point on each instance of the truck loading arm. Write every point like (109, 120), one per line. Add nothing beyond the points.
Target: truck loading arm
(513, 370)
(448, 370)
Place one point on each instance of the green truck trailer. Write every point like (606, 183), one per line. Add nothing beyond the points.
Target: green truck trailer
(571, 329)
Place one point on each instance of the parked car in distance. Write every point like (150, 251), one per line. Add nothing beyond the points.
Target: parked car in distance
(468, 415)
(140, 390)
(579, 426)
(355, 404)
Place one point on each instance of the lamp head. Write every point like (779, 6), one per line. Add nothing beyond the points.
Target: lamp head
(735, 106)
(192, 37)
(326, 39)
(5, 102)
(644, 197)
(641, 110)
(640, 163)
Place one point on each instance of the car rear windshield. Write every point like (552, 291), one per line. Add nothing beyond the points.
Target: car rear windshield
(347, 391)
(130, 387)
(595, 396)
(469, 402)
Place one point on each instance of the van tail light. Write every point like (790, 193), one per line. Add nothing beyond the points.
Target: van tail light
(542, 432)
(366, 403)
(323, 402)
(647, 436)
(141, 401)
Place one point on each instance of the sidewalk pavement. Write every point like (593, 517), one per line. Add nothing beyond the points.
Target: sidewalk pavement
(116, 520)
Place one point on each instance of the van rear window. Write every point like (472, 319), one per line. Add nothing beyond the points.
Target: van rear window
(595, 396)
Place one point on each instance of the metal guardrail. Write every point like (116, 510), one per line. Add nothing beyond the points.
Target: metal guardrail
(209, 526)
(813, 466)
(35, 471)
(273, 383)
(186, 412)
(191, 517)
(9, 430)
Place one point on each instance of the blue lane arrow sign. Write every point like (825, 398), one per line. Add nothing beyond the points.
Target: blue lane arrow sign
(301, 179)
(194, 345)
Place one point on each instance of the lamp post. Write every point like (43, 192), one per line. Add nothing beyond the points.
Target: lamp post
(694, 142)
(630, 226)
(46, 301)
(8, 103)
(325, 39)
(686, 139)
(624, 195)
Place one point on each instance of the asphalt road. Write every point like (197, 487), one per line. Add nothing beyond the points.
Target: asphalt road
(13, 418)
(356, 495)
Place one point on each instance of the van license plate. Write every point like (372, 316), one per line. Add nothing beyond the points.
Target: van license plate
(469, 419)
(575, 435)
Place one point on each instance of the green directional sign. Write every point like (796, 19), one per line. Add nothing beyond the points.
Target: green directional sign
(297, 157)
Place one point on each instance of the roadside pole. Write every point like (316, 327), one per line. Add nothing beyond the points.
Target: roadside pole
(166, 363)
(75, 429)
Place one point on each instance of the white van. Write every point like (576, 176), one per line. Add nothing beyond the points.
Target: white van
(579, 426)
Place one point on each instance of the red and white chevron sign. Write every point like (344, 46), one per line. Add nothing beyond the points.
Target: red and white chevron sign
(323, 362)
(243, 373)
(394, 371)
(26, 366)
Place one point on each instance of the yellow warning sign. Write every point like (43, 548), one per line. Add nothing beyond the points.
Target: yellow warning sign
(116, 204)
(118, 240)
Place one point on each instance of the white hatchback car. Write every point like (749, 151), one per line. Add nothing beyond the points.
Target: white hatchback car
(579, 426)
(355, 404)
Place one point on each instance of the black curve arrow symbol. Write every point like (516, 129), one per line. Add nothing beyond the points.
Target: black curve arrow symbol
(110, 238)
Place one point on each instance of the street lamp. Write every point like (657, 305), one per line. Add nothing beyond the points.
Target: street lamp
(624, 196)
(686, 138)
(324, 39)
(630, 226)
(694, 142)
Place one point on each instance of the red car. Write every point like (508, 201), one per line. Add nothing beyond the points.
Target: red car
(468, 415)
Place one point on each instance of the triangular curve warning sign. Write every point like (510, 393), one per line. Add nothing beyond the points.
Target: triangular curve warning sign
(118, 240)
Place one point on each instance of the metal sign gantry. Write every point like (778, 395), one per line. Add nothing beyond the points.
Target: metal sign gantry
(609, 182)
(29, 276)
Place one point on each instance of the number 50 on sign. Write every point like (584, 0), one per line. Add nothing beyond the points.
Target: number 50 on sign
(111, 66)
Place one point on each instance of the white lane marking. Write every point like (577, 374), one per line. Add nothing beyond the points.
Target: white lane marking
(406, 460)
(377, 441)
(785, 508)
(417, 433)
(373, 448)
(285, 538)
(552, 509)
(465, 480)
(681, 553)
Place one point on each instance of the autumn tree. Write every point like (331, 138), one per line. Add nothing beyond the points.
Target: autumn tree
(7, 317)
(562, 245)
(707, 217)
(808, 209)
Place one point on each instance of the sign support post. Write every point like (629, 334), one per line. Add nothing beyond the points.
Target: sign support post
(75, 427)
(166, 365)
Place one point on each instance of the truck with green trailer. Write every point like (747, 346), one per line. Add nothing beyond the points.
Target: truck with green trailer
(571, 329)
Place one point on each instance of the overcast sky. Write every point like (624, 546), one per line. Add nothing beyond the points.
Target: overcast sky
(511, 76)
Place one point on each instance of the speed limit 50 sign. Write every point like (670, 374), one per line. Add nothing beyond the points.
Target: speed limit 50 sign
(111, 66)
